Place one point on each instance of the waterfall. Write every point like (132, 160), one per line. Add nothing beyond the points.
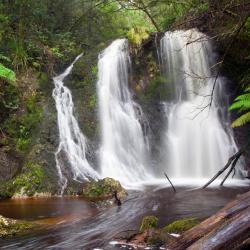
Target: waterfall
(73, 144)
(124, 151)
(198, 140)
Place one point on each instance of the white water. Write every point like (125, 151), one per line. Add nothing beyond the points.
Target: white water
(198, 142)
(124, 151)
(72, 148)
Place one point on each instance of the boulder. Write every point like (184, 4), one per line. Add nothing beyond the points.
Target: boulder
(104, 189)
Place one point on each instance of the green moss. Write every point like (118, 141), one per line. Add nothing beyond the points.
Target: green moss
(156, 88)
(43, 80)
(103, 189)
(29, 182)
(10, 227)
(181, 226)
(92, 102)
(148, 222)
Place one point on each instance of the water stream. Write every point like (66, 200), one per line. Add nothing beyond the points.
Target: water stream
(198, 138)
(71, 152)
(124, 148)
(78, 224)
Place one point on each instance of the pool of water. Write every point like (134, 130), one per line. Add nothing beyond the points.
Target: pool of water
(74, 223)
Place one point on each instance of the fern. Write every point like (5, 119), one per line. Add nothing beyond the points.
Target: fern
(242, 120)
(242, 103)
(7, 74)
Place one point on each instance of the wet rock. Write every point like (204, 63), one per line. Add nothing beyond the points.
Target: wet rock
(104, 189)
(10, 227)
(9, 163)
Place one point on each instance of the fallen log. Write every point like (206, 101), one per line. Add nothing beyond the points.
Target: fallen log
(230, 225)
(229, 234)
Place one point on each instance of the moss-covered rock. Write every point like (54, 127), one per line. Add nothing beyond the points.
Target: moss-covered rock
(148, 222)
(181, 226)
(28, 183)
(10, 227)
(104, 189)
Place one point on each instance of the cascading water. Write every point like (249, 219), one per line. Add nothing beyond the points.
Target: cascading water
(199, 142)
(73, 144)
(123, 153)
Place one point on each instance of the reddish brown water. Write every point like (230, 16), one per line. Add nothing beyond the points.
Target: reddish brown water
(73, 223)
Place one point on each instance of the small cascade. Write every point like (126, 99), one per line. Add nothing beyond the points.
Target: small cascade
(198, 140)
(72, 147)
(124, 150)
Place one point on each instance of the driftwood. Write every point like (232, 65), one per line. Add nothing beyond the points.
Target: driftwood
(229, 227)
(170, 182)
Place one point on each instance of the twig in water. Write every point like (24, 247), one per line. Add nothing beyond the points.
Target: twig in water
(170, 182)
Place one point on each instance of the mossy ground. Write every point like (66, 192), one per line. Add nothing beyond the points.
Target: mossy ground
(181, 226)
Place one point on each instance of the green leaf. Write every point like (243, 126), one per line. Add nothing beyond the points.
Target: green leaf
(242, 120)
(242, 105)
(7, 74)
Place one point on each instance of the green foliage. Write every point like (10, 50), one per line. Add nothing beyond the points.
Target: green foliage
(137, 35)
(242, 103)
(181, 226)
(20, 128)
(30, 181)
(7, 74)
(148, 222)
(44, 81)
(20, 56)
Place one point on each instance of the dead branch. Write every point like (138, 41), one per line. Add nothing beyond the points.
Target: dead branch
(170, 182)
(232, 168)
(230, 160)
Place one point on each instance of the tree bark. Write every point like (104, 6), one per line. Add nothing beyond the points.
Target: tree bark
(231, 225)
